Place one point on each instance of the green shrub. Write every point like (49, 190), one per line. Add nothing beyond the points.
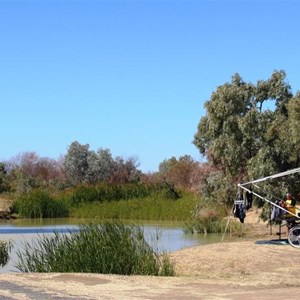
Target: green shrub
(40, 204)
(107, 248)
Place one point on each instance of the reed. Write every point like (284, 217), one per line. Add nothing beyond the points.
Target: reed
(110, 192)
(5, 248)
(207, 218)
(156, 207)
(108, 248)
(40, 204)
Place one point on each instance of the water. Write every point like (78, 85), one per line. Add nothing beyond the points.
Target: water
(164, 237)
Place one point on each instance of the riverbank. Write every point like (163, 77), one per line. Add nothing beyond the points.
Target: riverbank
(235, 270)
(241, 269)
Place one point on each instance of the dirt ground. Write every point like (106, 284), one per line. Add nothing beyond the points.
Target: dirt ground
(247, 268)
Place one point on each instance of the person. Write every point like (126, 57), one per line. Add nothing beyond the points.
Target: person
(289, 204)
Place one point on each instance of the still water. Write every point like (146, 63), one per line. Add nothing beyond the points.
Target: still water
(162, 236)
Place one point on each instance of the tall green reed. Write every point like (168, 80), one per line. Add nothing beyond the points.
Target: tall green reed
(110, 192)
(40, 204)
(108, 248)
(5, 247)
(155, 207)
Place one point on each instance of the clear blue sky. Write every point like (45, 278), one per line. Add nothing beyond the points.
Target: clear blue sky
(131, 76)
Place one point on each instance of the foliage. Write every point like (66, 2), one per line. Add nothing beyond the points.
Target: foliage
(183, 173)
(4, 186)
(28, 170)
(208, 218)
(110, 192)
(83, 165)
(39, 204)
(155, 207)
(5, 248)
(78, 162)
(109, 248)
(249, 131)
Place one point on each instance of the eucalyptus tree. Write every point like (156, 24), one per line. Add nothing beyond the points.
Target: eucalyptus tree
(244, 130)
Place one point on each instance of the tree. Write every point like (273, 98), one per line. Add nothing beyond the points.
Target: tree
(3, 178)
(83, 165)
(77, 163)
(183, 173)
(239, 136)
(28, 170)
(126, 171)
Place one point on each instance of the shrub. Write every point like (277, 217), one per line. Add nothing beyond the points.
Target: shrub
(107, 248)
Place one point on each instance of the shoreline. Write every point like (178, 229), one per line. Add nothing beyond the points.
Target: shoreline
(228, 270)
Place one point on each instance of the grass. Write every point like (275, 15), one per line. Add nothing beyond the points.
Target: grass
(108, 248)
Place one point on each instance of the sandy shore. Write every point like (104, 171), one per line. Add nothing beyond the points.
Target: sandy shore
(235, 270)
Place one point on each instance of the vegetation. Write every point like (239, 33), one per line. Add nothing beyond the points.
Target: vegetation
(84, 194)
(107, 201)
(249, 131)
(40, 204)
(109, 248)
(149, 208)
(4, 252)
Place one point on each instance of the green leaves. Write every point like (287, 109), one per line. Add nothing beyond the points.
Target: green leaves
(238, 136)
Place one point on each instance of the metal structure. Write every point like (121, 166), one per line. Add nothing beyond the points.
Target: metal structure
(293, 218)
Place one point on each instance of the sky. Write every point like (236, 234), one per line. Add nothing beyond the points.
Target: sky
(131, 76)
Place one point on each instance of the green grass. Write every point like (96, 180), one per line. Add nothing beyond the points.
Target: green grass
(108, 248)
(149, 208)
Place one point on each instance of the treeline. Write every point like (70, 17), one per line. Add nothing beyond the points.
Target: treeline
(83, 166)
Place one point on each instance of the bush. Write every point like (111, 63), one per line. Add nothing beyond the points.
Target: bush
(40, 204)
(107, 248)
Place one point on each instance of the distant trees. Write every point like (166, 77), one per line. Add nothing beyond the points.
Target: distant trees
(249, 131)
(83, 165)
(182, 172)
(28, 170)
